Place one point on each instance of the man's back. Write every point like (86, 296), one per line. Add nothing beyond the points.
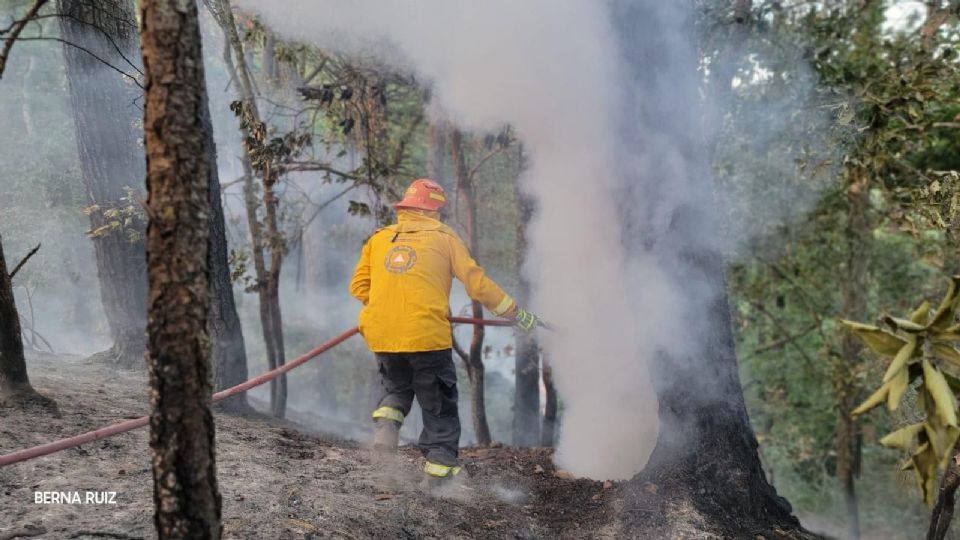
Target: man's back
(408, 281)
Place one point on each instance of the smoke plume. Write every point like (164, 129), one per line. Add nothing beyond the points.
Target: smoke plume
(552, 71)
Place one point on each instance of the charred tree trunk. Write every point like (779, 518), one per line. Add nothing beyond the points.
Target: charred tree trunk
(548, 432)
(106, 113)
(526, 393)
(467, 212)
(229, 351)
(186, 496)
(706, 452)
(15, 388)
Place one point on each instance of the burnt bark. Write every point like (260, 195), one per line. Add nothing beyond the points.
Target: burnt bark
(186, 496)
(106, 114)
(548, 431)
(15, 388)
(467, 215)
(706, 453)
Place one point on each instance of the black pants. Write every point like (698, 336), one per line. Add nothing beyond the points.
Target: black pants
(432, 378)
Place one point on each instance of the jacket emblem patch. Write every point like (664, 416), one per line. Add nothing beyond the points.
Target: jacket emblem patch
(400, 259)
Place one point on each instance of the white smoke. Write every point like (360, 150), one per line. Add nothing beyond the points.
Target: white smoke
(549, 70)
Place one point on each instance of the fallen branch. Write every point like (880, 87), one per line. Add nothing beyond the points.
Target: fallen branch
(15, 30)
(105, 534)
(23, 532)
(24, 261)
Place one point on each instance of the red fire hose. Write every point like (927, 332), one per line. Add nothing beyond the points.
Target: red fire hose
(129, 425)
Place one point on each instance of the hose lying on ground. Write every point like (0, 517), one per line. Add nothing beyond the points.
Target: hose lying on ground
(129, 425)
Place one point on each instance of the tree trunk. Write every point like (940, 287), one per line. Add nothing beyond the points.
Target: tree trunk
(270, 66)
(706, 453)
(188, 504)
(15, 388)
(854, 289)
(436, 135)
(467, 214)
(267, 278)
(548, 433)
(229, 351)
(526, 393)
(942, 513)
(106, 113)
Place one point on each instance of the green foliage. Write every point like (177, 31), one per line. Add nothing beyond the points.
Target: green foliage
(831, 103)
(922, 348)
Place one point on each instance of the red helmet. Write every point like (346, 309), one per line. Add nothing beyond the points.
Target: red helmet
(424, 194)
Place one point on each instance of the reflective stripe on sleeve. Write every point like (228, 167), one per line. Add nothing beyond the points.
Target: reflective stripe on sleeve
(504, 305)
(440, 471)
(389, 413)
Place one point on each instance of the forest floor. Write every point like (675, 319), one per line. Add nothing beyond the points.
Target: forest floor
(284, 480)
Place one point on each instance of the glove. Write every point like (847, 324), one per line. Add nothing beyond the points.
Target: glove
(524, 320)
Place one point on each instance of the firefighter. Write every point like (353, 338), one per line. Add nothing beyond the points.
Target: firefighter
(403, 279)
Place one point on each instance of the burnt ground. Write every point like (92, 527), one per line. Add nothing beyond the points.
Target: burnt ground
(282, 480)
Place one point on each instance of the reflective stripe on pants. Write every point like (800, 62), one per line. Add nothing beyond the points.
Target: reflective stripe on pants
(432, 378)
(390, 414)
(440, 471)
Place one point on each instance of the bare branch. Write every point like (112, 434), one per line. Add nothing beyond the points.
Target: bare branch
(91, 53)
(317, 166)
(484, 159)
(24, 261)
(459, 350)
(15, 30)
(327, 203)
(782, 328)
(316, 71)
(782, 341)
(36, 335)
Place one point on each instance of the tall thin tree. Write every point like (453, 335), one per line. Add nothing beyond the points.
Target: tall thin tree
(467, 215)
(526, 397)
(266, 240)
(186, 496)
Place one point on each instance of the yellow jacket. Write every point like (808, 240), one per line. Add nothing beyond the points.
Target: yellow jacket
(403, 279)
